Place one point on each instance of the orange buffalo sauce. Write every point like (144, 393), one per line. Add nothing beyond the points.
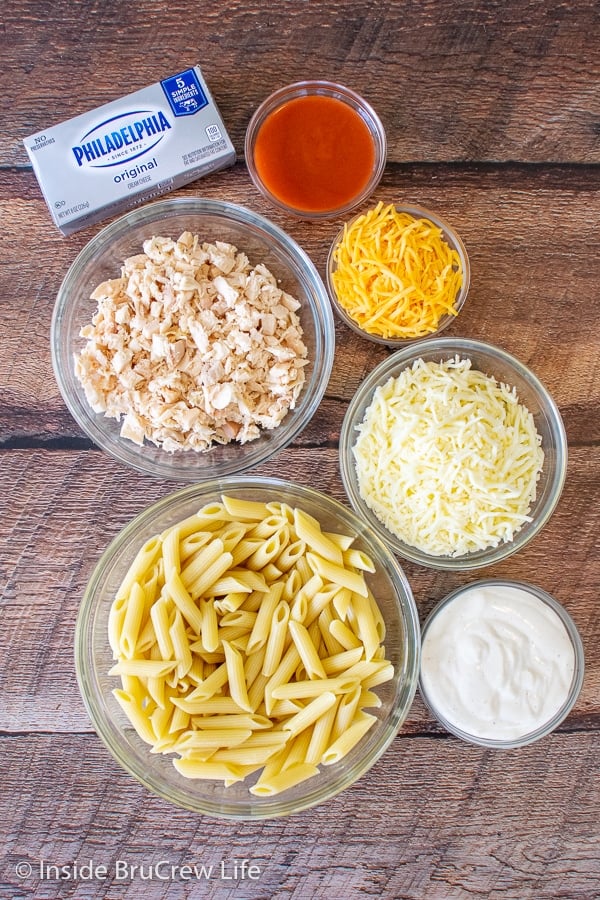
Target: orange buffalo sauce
(314, 153)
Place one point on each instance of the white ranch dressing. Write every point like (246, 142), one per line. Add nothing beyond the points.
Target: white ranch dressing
(497, 662)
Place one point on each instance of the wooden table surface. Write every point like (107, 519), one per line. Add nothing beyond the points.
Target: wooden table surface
(492, 112)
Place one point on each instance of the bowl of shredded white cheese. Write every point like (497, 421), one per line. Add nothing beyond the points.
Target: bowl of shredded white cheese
(454, 452)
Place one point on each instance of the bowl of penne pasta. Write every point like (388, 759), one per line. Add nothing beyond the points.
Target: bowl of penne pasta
(192, 338)
(247, 647)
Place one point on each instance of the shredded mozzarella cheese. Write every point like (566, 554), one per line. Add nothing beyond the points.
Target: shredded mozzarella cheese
(448, 459)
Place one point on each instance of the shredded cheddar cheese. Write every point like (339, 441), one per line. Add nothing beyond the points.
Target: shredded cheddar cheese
(448, 459)
(396, 276)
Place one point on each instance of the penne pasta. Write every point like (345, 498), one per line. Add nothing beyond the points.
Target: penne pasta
(209, 626)
(144, 560)
(319, 602)
(296, 750)
(276, 638)
(292, 585)
(246, 510)
(243, 550)
(246, 639)
(309, 531)
(159, 615)
(190, 545)
(143, 668)
(337, 574)
(236, 676)
(308, 653)
(357, 559)
(344, 635)
(247, 755)
(137, 716)
(282, 674)
(320, 735)
(180, 721)
(346, 741)
(201, 560)
(343, 541)
(271, 573)
(116, 617)
(231, 536)
(210, 738)
(183, 600)
(203, 582)
(325, 621)
(346, 711)
(269, 550)
(134, 610)
(300, 690)
(170, 552)
(219, 771)
(367, 629)
(340, 662)
(214, 706)
(263, 530)
(310, 713)
(181, 646)
(341, 602)
(283, 781)
(232, 601)
(290, 555)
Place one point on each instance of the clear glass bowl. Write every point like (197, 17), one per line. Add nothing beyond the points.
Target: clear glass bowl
(495, 362)
(336, 92)
(93, 655)
(452, 239)
(527, 737)
(213, 220)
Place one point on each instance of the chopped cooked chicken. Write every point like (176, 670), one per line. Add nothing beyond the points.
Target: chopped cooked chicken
(192, 346)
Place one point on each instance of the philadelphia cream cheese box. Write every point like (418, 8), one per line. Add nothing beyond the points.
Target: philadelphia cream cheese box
(125, 153)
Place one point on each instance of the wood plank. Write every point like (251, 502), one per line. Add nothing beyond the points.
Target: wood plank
(535, 260)
(63, 508)
(433, 818)
(500, 81)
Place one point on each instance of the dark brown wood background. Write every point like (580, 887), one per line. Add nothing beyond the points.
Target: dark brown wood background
(492, 111)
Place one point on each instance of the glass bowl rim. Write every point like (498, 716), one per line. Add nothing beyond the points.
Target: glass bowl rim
(450, 232)
(391, 367)
(318, 87)
(86, 670)
(576, 682)
(173, 466)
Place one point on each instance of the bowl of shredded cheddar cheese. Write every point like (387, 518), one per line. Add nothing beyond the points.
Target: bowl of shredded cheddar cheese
(397, 274)
(454, 452)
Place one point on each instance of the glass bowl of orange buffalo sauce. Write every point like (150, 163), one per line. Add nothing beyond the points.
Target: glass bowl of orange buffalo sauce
(315, 149)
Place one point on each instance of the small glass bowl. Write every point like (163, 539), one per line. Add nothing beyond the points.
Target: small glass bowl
(263, 242)
(323, 89)
(93, 655)
(576, 682)
(454, 241)
(494, 362)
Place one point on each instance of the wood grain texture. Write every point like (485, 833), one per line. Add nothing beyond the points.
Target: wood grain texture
(534, 251)
(63, 508)
(502, 80)
(418, 824)
(492, 114)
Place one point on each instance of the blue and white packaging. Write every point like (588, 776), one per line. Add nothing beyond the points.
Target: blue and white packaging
(129, 151)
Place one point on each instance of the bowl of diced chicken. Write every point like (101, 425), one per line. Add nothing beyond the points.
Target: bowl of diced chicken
(192, 338)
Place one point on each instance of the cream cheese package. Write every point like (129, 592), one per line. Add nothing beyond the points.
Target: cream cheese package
(133, 149)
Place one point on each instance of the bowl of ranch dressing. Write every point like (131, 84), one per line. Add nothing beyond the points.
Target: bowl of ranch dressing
(502, 663)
